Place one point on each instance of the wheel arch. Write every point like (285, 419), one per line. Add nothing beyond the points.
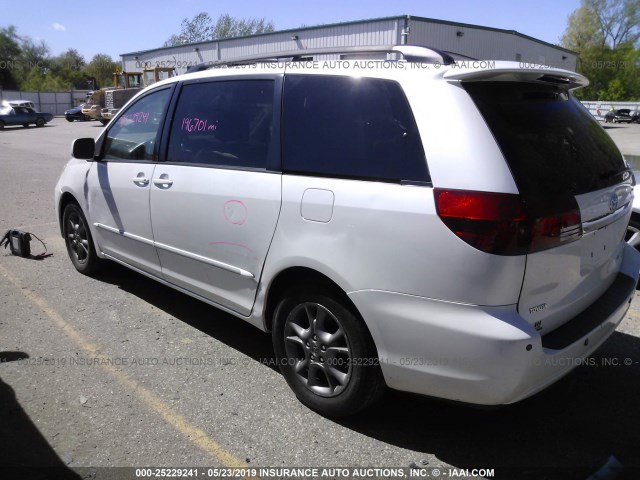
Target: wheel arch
(65, 199)
(294, 276)
(367, 385)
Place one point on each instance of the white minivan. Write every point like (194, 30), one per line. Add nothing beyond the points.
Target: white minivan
(449, 228)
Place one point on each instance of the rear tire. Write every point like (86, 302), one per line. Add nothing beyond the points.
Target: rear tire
(1, 125)
(326, 353)
(78, 240)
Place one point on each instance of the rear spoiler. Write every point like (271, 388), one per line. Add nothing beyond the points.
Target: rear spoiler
(517, 72)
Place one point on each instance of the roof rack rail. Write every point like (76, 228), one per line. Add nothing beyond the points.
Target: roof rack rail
(411, 53)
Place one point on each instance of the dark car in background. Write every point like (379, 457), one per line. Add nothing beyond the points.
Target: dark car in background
(24, 116)
(622, 115)
(75, 113)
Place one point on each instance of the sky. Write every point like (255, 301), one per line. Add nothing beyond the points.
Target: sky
(119, 27)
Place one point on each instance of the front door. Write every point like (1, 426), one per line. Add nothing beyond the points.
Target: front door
(119, 183)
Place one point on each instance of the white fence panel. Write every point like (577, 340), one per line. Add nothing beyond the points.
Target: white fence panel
(50, 102)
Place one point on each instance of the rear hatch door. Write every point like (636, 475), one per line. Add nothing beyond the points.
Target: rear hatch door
(574, 183)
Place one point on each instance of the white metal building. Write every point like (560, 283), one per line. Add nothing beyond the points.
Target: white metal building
(482, 43)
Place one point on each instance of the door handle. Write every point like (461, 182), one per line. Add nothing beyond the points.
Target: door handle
(162, 182)
(143, 181)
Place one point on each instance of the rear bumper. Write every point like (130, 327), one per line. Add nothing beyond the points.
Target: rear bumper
(485, 355)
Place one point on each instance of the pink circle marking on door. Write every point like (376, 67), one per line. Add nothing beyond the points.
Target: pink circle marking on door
(235, 212)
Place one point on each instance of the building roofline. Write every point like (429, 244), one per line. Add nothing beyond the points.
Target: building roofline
(358, 22)
(491, 29)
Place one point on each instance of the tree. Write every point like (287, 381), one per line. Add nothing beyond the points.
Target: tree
(41, 79)
(227, 26)
(201, 28)
(9, 57)
(33, 63)
(618, 20)
(582, 30)
(198, 29)
(28, 65)
(605, 34)
(101, 68)
(603, 22)
(69, 67)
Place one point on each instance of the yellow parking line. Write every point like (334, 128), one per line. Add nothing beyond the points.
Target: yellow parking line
(196, 435)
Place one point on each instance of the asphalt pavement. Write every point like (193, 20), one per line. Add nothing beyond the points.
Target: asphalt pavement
(627, 137)
(120, 371)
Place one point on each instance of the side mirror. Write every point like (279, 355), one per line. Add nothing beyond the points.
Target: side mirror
(83, 148)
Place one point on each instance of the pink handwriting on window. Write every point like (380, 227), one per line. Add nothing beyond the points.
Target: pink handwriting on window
(197, 125)
(137, 117)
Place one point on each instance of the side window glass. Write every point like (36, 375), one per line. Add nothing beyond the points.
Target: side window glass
(224, 123)
(350, 127)
(135, 133)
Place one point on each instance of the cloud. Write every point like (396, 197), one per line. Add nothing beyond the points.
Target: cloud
(59, 27)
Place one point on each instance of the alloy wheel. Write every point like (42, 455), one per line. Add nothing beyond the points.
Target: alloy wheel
(317, 346)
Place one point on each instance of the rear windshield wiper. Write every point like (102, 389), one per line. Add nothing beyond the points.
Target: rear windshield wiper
(613, 173)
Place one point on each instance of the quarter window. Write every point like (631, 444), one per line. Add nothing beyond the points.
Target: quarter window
(135, 133)
(350, 127)
(224, 123)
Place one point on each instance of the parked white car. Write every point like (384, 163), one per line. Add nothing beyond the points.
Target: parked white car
(453, 229)
(18, 103)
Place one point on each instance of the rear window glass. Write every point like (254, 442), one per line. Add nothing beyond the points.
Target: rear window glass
(551, 143)
(350, 127)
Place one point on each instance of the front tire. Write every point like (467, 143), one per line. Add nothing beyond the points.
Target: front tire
(40, 122)
(326, 353)
(78, 240)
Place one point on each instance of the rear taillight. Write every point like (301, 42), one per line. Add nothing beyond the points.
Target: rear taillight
(502, 224)
(554, 222)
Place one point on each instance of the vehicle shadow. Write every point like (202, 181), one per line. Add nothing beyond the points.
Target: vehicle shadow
(20, 128)
(25, 453)
(566, 432)
(214, 322)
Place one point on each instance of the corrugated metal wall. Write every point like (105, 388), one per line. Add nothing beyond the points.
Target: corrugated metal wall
(475, 42)
(487, 44)
(382, 32)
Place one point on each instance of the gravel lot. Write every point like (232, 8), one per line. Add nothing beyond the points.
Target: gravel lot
(119, 371)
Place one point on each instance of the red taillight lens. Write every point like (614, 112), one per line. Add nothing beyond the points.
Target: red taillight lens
(491, 222)
(554, 229)
(499, 223)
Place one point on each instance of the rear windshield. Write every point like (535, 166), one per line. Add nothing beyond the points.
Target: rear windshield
(550, 141)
